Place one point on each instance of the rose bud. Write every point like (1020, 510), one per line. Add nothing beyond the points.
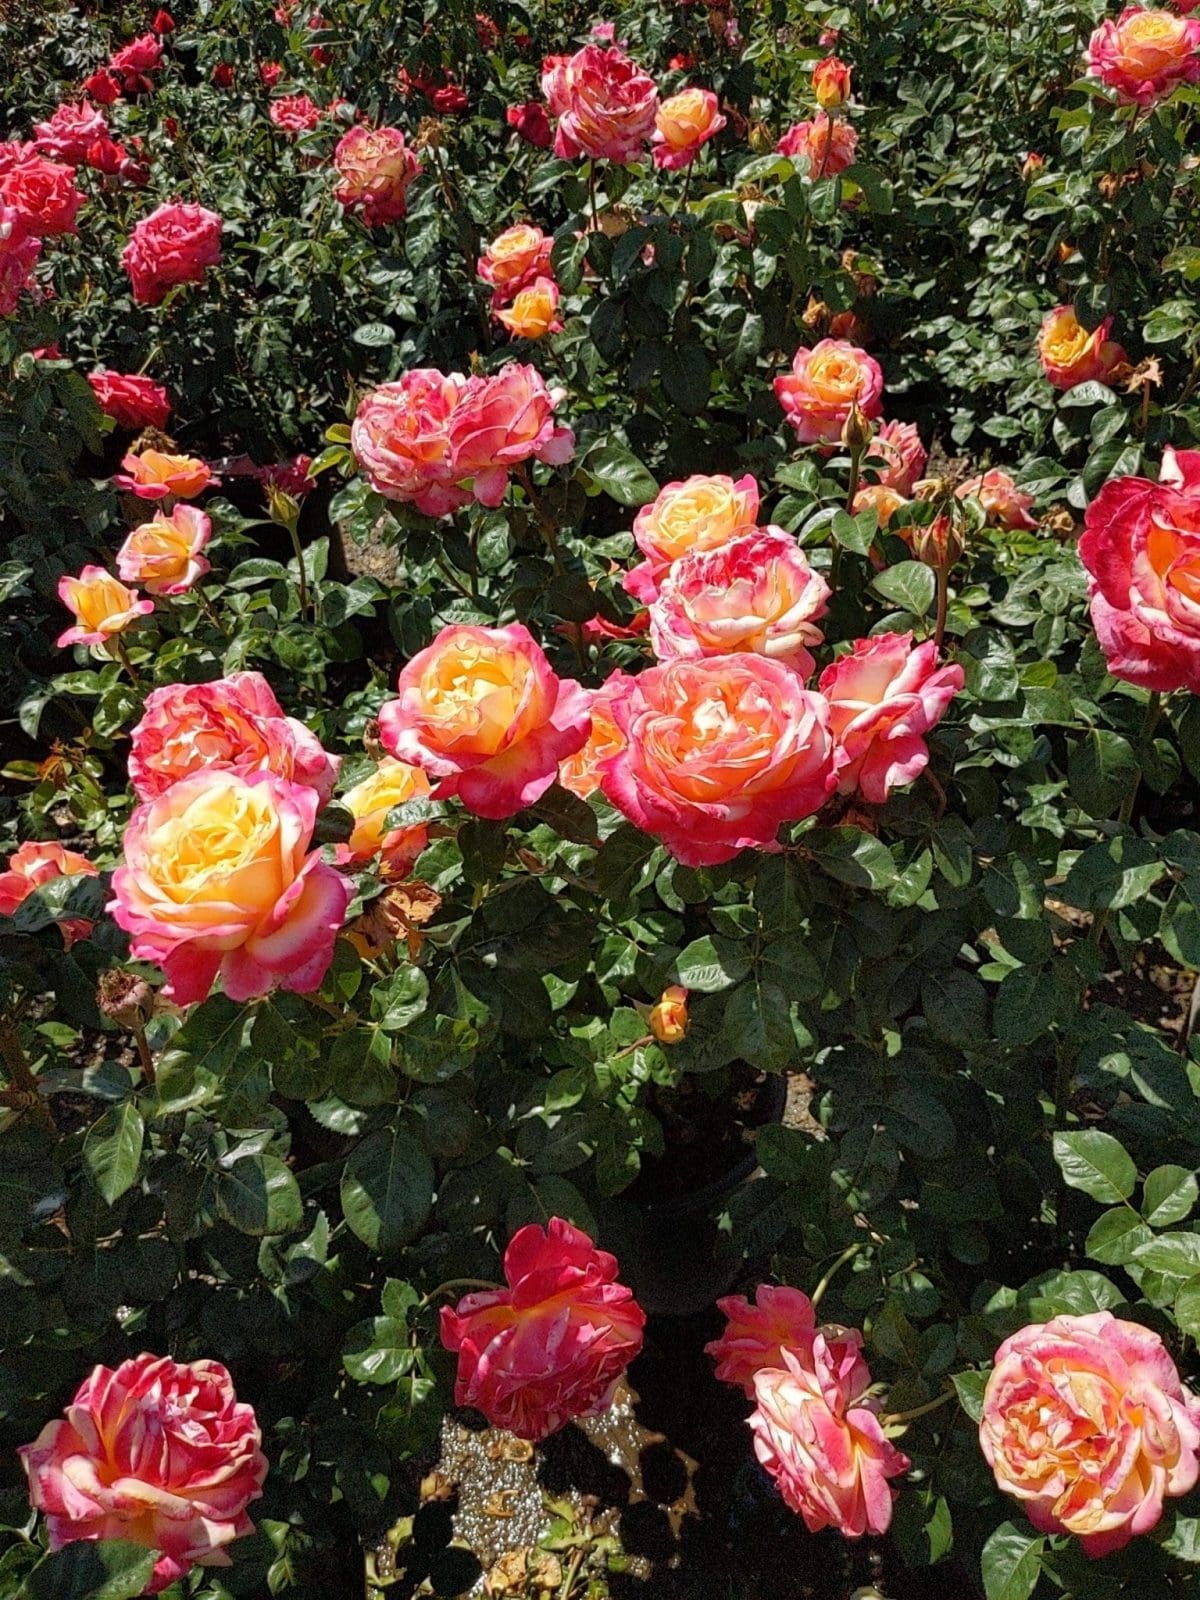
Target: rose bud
(668, 1018)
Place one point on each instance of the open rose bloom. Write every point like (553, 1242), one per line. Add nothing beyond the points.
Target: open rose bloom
(534, 311)
(131, 400)
(1006, 506)
(683, 125)
(164, 555)
(694, 514)
(823, 1444)
(884, 697)
(580, 771)
(501, 422)
(39, 861)
(515, 259)
(389, 785)
(482, 711)
(898, 445)
(718, 753)
(1144, 55)
(154, 1451)
(1070, 355)
(375, 170)
(43, 191)
(218, 879)
(1141, 549)
(69, 132)
(153, 475)
(604, 102)
(824, 386)
(780, 1318)
(102, 605)
(551, 1346)
(235, 724)
(1085, 1421)
(175, 244)
(820, 148)
(19, 250)
(757, 593)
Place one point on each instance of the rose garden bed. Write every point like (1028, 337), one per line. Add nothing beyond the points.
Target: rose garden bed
(601, 908)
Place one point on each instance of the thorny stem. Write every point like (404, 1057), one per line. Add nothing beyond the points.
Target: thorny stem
(819, 1292)
(122, 655)
(12, 1053)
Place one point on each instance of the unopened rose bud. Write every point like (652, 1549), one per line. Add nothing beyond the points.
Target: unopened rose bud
(124, 998)
(1032, 165)
(858, 430)
(282, 508)
(816, 315)
(669, 1017)
(759, 138)
(831, 83)
(939, 544)
(1065, 251)
(1109, 186)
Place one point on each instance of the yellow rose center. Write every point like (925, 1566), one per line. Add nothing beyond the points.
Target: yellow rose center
(224, 845)
(474, 696)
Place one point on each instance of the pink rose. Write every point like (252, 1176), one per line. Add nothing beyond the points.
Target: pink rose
(1141, 549)
(604, 102)
(43, 192)
(580, 771)
(246, 900)
(780, 1319)
(718, 754)
(19, 251)
(904, 456)
(756, 593)
(691, 514)
(1086, 1423)
(820, 148)
(102, 607)
(502, 421)
(295, 113)
(824, 386)
(375, 169)
(401, 440)
(1144, 55)
(176, 243)
(553, 1345)
(155, 1451)
(1005, 505)
(884, 696)
(130, 400)
(69, 132)
(134, 63)
(42, 861)
(1070, 355)
(482, 710)
(231, 724)
(532, 123)
(829, 1457)
(163, 555)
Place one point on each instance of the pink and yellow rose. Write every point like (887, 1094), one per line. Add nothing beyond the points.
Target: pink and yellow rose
(1006, 506)
(218, 880)
(821, 147)
(757, 593)
(668, 1017)
(828, 1455)
(401, 440)
(482, 711)
(825, 384)
(1070, 355)
(153, 475)
(375, 170)
(1144, 55)
(515, 259)
(103, 607)
(499, 423)
(884, 697)
(553, 1345)
(534, 311)
(1086, 1423)
(164, 554)
(157, 1452)
(898, 445)
(779, 1318)
(683, 125)
(390, 784)
(696, 513)
(1141, 549)
(831, 83)
(234, 724)
(39, 861)
(719, 753)
(604, 102)
(580, 771)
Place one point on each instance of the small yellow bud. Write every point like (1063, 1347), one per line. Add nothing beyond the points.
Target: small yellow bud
(669, 1018)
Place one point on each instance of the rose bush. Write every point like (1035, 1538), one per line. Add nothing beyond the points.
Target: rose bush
(613, 570)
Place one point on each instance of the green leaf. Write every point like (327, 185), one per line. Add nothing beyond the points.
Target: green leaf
(1168, 1196)
(1096, 1163)
(851, 856)
(378, 1350)
(374, 335)
(909, 584)
(1011, 1562)
(620, 474)
(1101, 770)
(259, 1195)
(1176, 1253)
(970, 1387)
(686, 372)
(1187, 1308)
(711, 964)
(1183, 1541)
(112, 1150)
(387, 1190)
(1115, 1237)
(400, 999)
(104, 1569)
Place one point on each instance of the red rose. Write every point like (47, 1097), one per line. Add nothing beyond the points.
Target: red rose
(222, 75)
(130, 400)
(531, 122)
(43, 192)
(270, 72)
(102, 87)
(163, 22)
(175, 244)
(134, 63)
(66, 136)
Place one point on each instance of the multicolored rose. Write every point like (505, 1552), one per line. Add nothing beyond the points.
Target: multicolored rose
(1145, 55)
(164, 555)
(102, 606)
(825, 385)
(375, 170)
(683, 125)
(1070, 355)
(696, 513)
(604, 102)
(820, 147)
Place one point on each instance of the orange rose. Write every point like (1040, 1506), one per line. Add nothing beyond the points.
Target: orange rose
(831, 83)
(669, 1017)
(683, 124)
(1071, 355)
(534, 311)
(697, 513)
(390, 785)
(155, 476)
(513, 260)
